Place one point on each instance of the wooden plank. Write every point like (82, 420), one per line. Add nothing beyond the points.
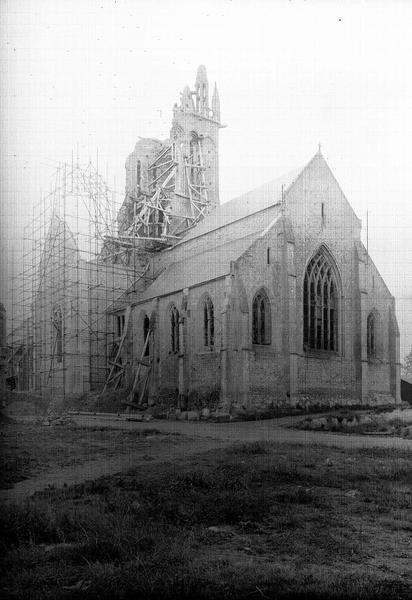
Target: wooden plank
(143, 392)
(143, 363)
(140, 362)
(124, 333)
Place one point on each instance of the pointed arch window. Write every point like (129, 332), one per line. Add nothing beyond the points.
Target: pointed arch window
(146, 339)
(371, 335)
(57, 320)
(121, 321)
(208, 323)
(261, 333)
(174, 329)
(320, 305)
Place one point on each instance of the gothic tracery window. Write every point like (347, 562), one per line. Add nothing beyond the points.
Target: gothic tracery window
(208, 323)
(174, 329)
(261, 318)
(371, 335)
(320, 305)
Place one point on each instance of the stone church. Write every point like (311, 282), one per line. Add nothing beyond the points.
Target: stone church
(268, 300)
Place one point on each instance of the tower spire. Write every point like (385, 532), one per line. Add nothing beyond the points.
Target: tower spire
(216, 104)
(202, 91)
(187, 100)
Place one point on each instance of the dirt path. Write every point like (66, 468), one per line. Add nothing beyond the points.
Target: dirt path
(194, 438)
(270, 430)
(94, 469)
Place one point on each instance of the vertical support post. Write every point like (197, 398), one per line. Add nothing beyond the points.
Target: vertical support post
(155, 339)
(363, 331)
(246, 352)
(182, 356)
(292, 320)
(290, 342)
(394, 355)
(225, 379)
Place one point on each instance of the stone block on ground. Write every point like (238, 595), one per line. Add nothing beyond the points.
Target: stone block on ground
(222, 417)
(193, 415)
(205, 413)
(135, 417)
(407, 432)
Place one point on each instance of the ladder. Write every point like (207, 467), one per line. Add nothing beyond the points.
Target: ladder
(115, 376)
(141, 377)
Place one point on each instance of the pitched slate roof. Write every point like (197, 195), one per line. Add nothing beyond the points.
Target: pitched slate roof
(264, 196)
(215, 263)
(196, 269)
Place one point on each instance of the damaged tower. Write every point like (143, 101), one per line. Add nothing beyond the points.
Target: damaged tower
(171, 185)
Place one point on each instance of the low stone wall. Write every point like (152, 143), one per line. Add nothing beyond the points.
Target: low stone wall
(360, 423)
(321, 399)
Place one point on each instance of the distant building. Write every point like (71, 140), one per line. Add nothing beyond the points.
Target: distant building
(406, 389)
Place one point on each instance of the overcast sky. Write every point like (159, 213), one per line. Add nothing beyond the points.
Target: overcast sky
(94, 75)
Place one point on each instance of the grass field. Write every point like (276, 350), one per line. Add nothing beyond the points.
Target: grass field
(28, 450)
(249, 521)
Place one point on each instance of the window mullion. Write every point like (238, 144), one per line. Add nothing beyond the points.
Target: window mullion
(312, 311)
(317, 309)
(330, 341)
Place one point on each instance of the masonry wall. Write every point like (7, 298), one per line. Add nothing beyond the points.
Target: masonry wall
(58, 288)
(378, 369)
(193, 372)
(282, 372)
(263, 266)
(322, 216)
(204, 363)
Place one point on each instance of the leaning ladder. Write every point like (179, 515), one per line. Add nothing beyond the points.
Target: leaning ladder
(142, 373)
(114, 377)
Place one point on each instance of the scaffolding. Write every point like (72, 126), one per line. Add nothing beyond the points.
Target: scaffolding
(77, 264)
(155, 215)
(86, 258)
(60, 330)
(175, 200)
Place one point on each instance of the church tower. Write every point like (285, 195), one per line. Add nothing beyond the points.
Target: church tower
(195, 135)
(171, 185)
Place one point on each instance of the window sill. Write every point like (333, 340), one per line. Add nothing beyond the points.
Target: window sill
(263, 350)
(207, 352)
(324, 354)
(375, 361)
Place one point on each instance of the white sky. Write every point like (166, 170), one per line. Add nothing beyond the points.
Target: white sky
(97, 74)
